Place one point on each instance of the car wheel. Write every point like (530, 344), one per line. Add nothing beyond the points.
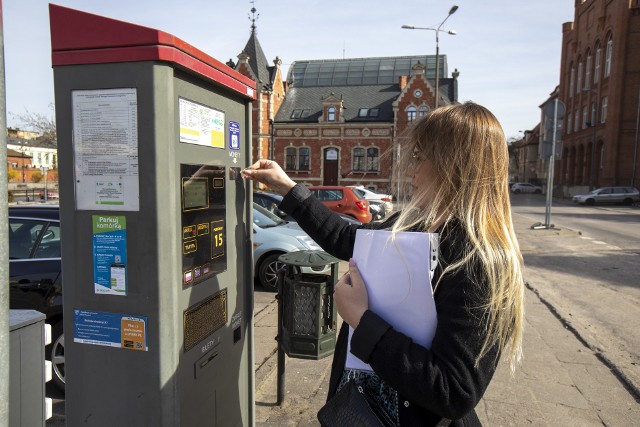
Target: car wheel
(627, 201)
(538, 191)
(56, 355)
(268, 272)
(517, 191)
(589, 202)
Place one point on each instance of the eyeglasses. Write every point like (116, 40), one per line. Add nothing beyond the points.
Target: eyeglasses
(416, 157)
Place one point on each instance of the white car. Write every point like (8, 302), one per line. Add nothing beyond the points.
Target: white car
(624, 195)
(370, 196)
(273, 237)
(525, 187)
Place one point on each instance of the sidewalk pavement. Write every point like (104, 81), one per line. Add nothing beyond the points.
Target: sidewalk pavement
(564, 380)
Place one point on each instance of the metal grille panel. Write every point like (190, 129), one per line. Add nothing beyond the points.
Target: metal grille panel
(204, 318)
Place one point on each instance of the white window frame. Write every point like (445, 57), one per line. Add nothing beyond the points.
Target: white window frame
(579, 82)
(607, 57)
(331, 114)
(596, 69)
(572, 77)
(587, 71)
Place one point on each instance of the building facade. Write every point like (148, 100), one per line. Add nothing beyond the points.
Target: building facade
(600, 87)
(342, 121)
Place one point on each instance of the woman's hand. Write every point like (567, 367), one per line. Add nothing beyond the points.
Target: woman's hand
(271, 174)
(351, 297)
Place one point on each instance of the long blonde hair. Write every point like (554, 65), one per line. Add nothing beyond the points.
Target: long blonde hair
(468, 150)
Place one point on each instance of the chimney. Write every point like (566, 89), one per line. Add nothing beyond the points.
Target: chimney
(403, 81)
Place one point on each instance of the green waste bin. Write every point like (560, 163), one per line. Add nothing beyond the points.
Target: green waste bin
(308, 320)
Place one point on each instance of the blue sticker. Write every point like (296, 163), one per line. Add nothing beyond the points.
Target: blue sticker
(110, 329)
(234, 135)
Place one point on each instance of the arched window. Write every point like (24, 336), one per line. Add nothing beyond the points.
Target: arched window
(603, 110)
(358, 159)
(423, 110)
(365, 160)
(298, 159)
(587, 71)
(411, 113)
(331, 114)
(568, 122)
(373, 159)
(607, 57)
(290, 160)
(572, 76)
(596, 69)
(579, 84)
(303, 158)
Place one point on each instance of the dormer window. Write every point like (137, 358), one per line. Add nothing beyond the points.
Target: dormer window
(331, 114)
(300, 114)
(368, 112)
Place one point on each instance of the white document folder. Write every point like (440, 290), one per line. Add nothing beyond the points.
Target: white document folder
(398, 273)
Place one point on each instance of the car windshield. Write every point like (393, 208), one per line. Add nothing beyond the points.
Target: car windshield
(265, 219)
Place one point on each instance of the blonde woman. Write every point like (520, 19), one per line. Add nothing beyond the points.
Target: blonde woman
(457, 174)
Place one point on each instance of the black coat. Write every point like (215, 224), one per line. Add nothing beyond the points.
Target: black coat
(431, 383)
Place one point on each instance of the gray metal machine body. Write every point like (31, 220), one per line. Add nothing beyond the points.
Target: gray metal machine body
(168, 340)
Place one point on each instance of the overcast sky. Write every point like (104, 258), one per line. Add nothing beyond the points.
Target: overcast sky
(507, 51)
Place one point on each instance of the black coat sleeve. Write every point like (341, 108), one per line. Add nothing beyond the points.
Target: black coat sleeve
(443, 379)
(335, 235)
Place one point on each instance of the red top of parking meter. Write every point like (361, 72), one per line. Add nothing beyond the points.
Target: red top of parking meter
(82, 38)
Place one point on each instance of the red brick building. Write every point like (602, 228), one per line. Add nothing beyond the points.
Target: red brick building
(600, 87)
(341, 122)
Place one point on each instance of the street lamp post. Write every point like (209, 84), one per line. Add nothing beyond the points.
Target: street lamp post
(437, 31)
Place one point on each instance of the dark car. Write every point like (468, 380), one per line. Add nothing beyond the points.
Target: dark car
(35, 272)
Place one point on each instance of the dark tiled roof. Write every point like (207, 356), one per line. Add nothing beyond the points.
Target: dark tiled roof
(354, 97)
(14, 153)
(257, 60)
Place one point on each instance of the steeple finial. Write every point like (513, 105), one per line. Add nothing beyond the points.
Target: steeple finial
(253, 17)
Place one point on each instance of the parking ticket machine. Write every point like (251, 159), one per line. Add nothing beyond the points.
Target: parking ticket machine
(156, 227)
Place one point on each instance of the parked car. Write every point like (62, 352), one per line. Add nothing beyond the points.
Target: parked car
(525, 187)
(343, 200)
(35, 279)
(377, 211)
(272, 237)
(625, 195)
(271, 201)
(51, 194)
(385, 200)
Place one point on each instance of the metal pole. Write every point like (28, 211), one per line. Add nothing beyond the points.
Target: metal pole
(437, 68)
(281, 358)
(592, 173)
(635, 149)
(4, 244)
(552, 157)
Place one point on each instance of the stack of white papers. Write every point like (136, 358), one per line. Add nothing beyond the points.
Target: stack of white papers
(398, 273)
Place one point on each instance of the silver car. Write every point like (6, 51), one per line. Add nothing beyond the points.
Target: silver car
(273, 237)
(625, 195)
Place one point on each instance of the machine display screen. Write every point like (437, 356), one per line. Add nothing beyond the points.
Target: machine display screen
(204, 243)
(195, 194)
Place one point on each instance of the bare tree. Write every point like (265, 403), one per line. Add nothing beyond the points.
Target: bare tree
(44, 125)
